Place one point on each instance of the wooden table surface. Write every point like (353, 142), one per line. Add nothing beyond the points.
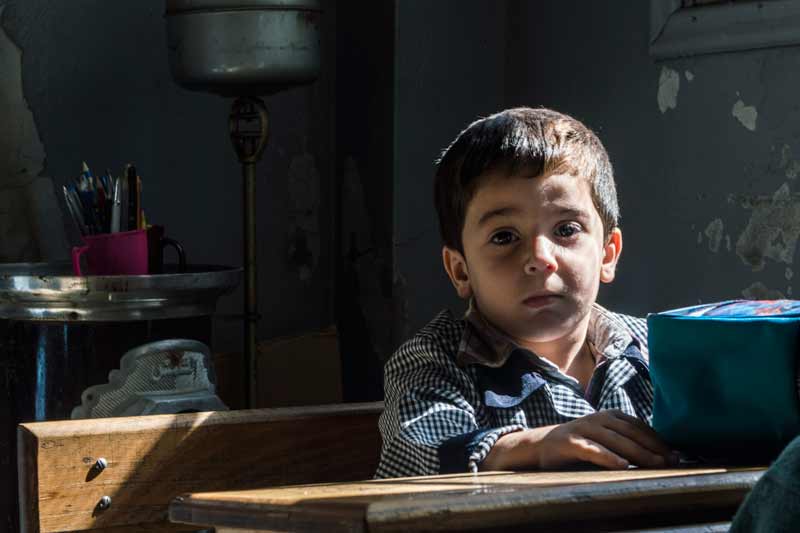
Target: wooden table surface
(489, 500)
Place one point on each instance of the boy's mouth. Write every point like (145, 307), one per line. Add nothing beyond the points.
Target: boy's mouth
(541, 300)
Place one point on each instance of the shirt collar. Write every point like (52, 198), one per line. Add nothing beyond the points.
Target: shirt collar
(482, 343)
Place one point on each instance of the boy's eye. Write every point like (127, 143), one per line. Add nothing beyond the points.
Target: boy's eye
(503, 237)
(568, 230)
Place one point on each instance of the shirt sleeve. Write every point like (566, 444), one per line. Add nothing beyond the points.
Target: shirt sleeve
(432, 421)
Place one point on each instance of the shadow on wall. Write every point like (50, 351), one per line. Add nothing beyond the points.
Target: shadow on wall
(31, 223)
(362, 368)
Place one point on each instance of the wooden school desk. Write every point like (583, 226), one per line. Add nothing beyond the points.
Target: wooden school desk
(502, 501)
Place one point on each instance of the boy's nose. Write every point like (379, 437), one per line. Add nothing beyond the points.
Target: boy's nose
(541, 257)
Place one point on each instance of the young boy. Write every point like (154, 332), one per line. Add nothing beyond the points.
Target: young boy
(536, 374)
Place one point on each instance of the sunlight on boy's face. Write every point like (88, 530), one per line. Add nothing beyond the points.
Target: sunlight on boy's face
(534, 254)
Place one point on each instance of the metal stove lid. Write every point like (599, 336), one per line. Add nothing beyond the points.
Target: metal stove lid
(49, 292)
(184, 6)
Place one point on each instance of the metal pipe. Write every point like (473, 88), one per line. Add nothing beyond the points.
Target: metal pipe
(249, 132)
(250, 282)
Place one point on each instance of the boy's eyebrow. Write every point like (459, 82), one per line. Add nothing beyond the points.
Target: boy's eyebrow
(573, 212)
(500, 211)
(563, 211)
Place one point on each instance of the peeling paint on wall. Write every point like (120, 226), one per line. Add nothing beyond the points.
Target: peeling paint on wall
(689, 76)
(303, 229)
(746, 114)
(788, 164)
(669, 83)
(714, 233)
(31, 227)
(759, 291)
(21, 152)
(772, 230)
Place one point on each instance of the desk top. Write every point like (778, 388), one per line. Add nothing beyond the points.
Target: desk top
(483, 500)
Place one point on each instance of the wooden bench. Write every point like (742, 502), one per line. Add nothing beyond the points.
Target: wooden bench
(152, 459)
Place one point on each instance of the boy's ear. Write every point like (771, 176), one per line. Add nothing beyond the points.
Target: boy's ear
(611, 253)
(456, 267)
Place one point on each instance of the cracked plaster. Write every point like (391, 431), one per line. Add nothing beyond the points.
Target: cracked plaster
(669, 83)
(31, 226)
(747, 115)
(759, 291)
(714, 233)
(772, 230)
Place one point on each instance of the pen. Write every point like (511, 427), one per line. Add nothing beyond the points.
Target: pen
(109, 182)
(88, 175)
(124, 200)
(74, 211)
(116, 207)
(75, 200)
(87, 210)
(104, 199)
(139, 211)
(101, 206)
(85, 201)
(133, 199)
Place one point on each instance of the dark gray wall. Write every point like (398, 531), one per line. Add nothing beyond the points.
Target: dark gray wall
(366, 290)
(450, 70)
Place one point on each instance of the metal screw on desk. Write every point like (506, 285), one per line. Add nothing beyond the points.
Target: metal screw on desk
(104, 503)
(97, 468)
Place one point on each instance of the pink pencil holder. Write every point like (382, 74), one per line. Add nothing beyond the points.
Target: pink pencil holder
(110, 254)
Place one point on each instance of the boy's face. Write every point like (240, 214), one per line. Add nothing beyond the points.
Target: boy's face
(534, 254)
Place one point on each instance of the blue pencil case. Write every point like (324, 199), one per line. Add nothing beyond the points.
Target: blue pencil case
(725, 378)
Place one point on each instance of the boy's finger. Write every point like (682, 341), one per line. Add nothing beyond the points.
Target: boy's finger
(627, 447)
(642, 434)
(593, 452)
(632, 419)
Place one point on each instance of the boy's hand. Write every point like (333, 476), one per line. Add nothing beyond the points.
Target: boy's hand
(610, 439)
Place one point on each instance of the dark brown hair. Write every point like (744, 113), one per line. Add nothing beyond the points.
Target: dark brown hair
(541, 141)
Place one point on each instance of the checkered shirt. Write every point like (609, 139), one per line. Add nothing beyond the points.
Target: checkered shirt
(459, 385)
